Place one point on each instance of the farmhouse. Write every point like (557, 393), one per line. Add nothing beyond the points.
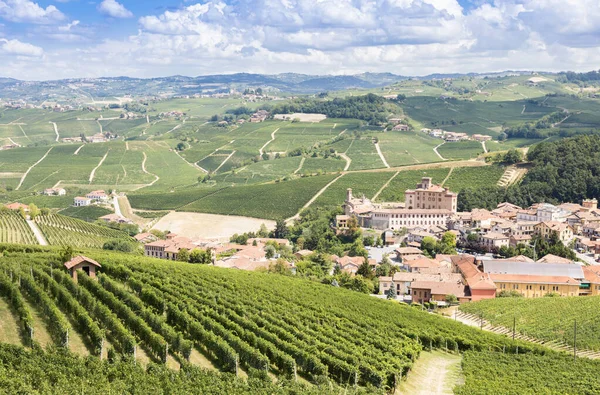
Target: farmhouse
(168, 249)
(81, 201)
(115, 218)
(145, 237)
(99, 195)
(54, 192)
(452, 137)
(350, 265)
(81, 262)
(17, 206)
(481, 137)
(401, 128)
(437, 291)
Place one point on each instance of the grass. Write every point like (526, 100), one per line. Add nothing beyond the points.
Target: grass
(9, 326)
(434, 373)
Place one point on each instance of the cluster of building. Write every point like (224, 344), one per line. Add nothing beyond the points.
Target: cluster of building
(259, 116)
(473, 278)
(54, 192)
(99, 196)
(171, 114)
(453, 137)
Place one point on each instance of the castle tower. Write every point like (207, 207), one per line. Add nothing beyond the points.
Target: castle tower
(349, 194)
(591, 204)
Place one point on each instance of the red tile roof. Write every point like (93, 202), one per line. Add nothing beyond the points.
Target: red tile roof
(80, 259)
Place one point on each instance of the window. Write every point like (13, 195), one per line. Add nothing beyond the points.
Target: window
(542, 287)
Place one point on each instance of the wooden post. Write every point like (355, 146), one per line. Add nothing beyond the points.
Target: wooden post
(67, 339)
(236, 366)
(31, 335)
(295, 372)
(514, 326)
(517, 350)
(481, 320)
(101, 349)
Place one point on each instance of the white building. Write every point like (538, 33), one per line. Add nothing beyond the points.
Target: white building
(80, 201)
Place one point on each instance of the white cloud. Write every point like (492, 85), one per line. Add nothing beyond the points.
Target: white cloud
(28, 11)
(114, 9)
(16, 47)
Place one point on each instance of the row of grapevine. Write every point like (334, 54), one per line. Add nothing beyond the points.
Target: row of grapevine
(153, 341)
(10, 291)
(120, 337)
(14, 229)
(86, 326)
(58, 325)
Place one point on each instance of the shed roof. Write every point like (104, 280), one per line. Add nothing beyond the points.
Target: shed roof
(493, 266)
(80, 259)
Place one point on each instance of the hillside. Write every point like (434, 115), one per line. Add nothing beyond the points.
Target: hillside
(240, 321)
(549, 319)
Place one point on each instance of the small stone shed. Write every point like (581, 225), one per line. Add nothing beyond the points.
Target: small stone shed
(81, 262)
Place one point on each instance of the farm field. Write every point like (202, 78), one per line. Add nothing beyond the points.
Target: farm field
(279, 324)
(262, 171)
(553, 373)
(409, 179)
(269, 201)
(61, 230)
(473, 177)
(461, 150)
(364, 154)
(85, 213)
(407, 148)
(366, 184)
(169, 201)
(14, 229)
(549, 319)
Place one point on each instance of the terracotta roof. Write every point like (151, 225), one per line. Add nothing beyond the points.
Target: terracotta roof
(456, 288)
(16, 206)
(408, 250)
(421, 262)
(592, 274)
(80, 259)
(553, 259)
(526, 278)
(495, 236)
(142, 236)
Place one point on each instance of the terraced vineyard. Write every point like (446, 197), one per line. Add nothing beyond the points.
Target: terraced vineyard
(14, 229)
(549, 319)
(240, 320)
(66, 231)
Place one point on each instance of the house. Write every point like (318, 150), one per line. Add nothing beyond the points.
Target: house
(406, 252)
(453, 137)
(17, 206)
(99, 195)
(81, 262)
(418, 264)
(401, 128)
(115, 218)
(533, 286)
(350, 264)
(80, 201)
(55, 192)
(341, 221)
(437, 291)
(550, 258)
(592, 277)
(515, 240)
(97, 138)
(169, 248)
(303, 254)
(481, 137)
(402, 280)
(561, 230)
(480, 284)
(145, 237)
(494, 241)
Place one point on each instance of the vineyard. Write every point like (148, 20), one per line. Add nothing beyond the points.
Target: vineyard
(499, 374)
(549, 319)
(66, 231)
(14, 229)
(242, 321)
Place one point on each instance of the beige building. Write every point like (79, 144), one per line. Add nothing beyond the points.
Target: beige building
(425, 206)
(561, 229)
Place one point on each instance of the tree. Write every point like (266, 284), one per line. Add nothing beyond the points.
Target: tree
(181, 146)
(391, 293)
(45, 211)
(200, 256)
(118, 245)
(281, 230)
(280, 267)
(263, 231)
(365, 269)
(183, 255)
(451, 299)
(429, 246)
(33, 211)
(269, 252)
(513, 156)
(66, 254)
(358, 249)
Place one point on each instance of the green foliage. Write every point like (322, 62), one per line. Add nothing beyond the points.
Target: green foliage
(14, 229)
(552, 373)
(85, 213)
(119, 245)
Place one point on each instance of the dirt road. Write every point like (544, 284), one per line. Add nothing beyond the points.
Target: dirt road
(434, 373)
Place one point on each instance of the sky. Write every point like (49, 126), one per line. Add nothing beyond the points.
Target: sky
(41, 40)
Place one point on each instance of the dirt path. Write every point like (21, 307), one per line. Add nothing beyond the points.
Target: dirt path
(437, 153)
(100, 125)
(225, 161)
(174, 129)
(32, 166)
(37, 232)
(93, 173)
(342, 132)
(191, 164)
(447, 177)
(25, 134)
(311, 201)
(381, 155)
(347, 159)
(156, 178)
(55, 130)
(261, 150)
(434, 373)
(484, 147)
(385, 185)
(127, 212)
(9, 327)
(78, 149)
(300, 166)
(127, 146)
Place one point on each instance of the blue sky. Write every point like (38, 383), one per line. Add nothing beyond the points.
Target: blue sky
(80, 38)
